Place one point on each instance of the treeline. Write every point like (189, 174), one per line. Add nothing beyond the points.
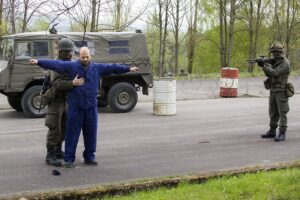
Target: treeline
(193, 36)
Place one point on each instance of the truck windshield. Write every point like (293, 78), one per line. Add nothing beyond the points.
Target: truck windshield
(6, 50)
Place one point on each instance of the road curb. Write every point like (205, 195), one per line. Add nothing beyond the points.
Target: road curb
(126, 188)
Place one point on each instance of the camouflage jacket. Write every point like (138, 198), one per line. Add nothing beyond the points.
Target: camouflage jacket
(278, 71)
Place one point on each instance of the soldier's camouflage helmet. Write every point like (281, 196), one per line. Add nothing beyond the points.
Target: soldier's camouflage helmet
(276, 47)
(65, 44)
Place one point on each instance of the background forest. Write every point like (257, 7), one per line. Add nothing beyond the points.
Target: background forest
(184, 36)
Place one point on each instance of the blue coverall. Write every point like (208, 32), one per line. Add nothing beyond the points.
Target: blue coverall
(82, 103)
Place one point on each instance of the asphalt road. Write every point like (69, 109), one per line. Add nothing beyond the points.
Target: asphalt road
(205, 135)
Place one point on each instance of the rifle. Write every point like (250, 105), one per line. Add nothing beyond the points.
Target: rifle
(261, 60)
(45, 87)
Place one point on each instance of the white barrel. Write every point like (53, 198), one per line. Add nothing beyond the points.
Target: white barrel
(164, 97)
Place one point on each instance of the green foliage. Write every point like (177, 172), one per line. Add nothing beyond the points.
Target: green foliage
(40, 24)
(3, 28)
(281, 184)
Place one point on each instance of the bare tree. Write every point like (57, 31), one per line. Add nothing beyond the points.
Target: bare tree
(292, 11)
(61, 8)
(254, 15)
(93, 20)
(285, 23)
(178, 9)
(97, 15)
(12, 16)
(163, 7)
(1, 14)
(123, 14)
(227, 29)
(80, 14)
(30, 8)
(192, 30)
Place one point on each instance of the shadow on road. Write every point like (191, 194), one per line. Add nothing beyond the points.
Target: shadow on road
(12, 114)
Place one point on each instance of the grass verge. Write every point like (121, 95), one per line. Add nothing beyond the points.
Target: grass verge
(172, 182)
(280, 184)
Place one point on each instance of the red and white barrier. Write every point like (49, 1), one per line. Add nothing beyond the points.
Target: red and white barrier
(229, 82)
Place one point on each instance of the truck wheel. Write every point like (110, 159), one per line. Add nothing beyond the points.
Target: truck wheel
(31, 100)
(122, 97)
(15, 103)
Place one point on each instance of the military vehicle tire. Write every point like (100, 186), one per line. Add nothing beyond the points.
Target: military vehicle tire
(15, 103)
(30, 102)
(122, 97)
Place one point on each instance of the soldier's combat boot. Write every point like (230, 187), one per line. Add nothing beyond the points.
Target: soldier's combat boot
(58, 152)
(270, 134)
(280, 137)
(51, 158)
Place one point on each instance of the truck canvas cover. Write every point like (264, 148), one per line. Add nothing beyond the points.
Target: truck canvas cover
(112, 47)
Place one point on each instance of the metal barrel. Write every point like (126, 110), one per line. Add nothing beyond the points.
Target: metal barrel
(164, 96)
(229, 82)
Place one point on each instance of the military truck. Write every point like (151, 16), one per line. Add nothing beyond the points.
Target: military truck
(22, 82)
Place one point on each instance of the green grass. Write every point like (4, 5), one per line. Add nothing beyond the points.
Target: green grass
(274, 185)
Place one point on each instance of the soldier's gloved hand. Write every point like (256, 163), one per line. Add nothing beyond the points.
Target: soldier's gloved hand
(260, 63)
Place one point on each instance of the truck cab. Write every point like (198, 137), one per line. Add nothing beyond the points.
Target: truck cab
(22, 82)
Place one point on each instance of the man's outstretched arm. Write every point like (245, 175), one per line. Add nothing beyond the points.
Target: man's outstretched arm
(107, 69)
(55, 65)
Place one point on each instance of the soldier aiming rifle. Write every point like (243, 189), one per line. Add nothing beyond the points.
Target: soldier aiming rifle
(261, 61)
(277, 70)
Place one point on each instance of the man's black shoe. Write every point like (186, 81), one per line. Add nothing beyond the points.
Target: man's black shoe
(53, 162)
(59, 154)
(51, 158)
(91, 162)
(280, 137)
(69, 164)
(269, 134)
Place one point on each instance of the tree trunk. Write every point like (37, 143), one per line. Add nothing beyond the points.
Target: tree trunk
(165, 33)
(231, 31)
(12, 16)
(118, 15)
(97, 15)
(288, 29)
(251, 36)
(222, 22)
(24, 23)
(177, 37)
(93, 22)
(254, 28)
(257, 26)
(192, 39)
(160, 60)
(1, 13)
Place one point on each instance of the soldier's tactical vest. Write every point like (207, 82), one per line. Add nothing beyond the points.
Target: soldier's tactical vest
(278, 83)
(59, 95)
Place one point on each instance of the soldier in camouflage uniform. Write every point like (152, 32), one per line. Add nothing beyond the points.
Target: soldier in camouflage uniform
(56, 113)
(277, 70)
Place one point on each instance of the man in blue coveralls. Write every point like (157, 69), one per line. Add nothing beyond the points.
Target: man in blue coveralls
(82, 101)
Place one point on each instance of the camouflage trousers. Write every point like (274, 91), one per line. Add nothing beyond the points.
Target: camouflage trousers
(56, 122)
(278, 109)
